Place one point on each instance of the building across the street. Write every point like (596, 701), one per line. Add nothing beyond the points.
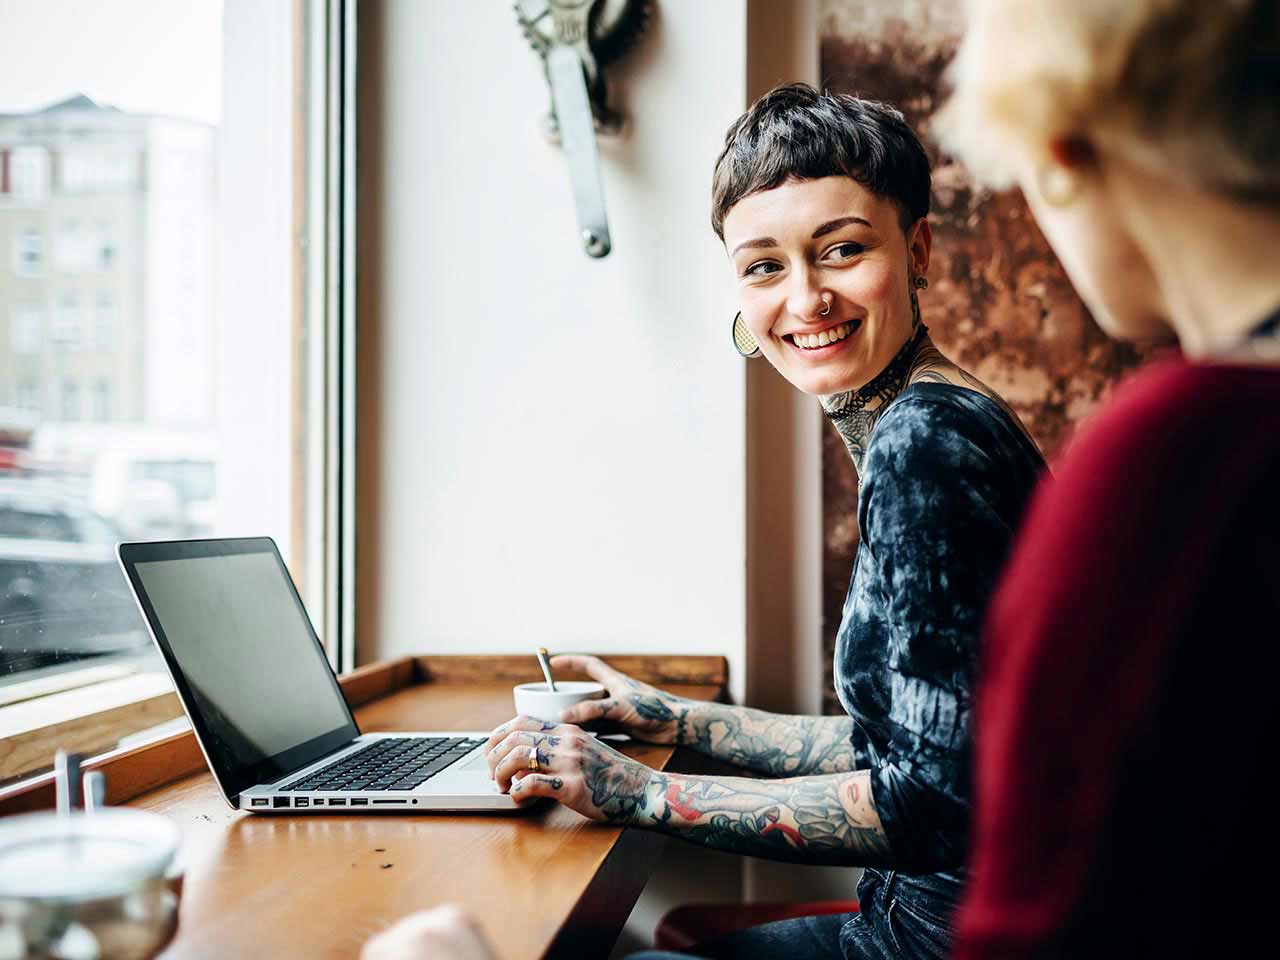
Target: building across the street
(106, 266)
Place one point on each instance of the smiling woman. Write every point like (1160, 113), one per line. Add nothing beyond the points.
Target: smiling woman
(822, 203)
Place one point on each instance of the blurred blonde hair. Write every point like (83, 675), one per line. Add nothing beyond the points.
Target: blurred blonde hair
(1189, 86)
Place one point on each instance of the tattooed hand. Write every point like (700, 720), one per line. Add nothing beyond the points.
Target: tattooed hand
(642, 711)
(814, 819)
(574, 768)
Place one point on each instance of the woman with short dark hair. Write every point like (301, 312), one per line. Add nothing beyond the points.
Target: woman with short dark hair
(822, 203)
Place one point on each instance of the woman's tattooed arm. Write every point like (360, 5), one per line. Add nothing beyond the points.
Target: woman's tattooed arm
(772, 744)
(818, 820)
(826, 819)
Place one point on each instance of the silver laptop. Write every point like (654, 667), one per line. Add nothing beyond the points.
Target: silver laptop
(264, 703)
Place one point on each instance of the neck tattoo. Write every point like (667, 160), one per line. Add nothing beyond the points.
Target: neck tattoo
(854, 413)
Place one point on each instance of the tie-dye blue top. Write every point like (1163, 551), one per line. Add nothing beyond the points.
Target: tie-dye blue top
(945, 479)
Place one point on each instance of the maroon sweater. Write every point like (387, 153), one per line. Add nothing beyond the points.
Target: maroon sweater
(1128, 715)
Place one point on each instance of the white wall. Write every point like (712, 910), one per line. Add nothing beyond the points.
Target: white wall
(552, 448)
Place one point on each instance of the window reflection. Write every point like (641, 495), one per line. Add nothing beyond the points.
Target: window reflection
(157, 375)
(107, 415)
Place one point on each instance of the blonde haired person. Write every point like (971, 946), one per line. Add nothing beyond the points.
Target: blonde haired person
(1128, 716)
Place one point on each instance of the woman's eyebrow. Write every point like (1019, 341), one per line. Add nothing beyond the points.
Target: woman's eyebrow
(752, 244)
(823, 230)
(831, 225)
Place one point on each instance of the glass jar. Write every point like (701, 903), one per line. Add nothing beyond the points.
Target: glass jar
(87, 886)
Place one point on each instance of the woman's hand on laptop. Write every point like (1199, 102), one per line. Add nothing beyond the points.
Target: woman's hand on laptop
(640, 710)
(529, 758)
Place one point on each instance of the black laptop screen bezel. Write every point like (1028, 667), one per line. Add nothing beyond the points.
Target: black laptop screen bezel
(232, 778)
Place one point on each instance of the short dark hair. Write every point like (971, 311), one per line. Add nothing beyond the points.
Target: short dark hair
(794, 132)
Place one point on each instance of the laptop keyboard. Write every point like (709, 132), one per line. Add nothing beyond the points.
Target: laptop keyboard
(394, 763)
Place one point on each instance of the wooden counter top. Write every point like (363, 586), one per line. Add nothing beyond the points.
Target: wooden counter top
(541, 883)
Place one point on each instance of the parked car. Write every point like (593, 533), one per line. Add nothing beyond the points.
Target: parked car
(154, 495)
(153, 483)
(62, 596)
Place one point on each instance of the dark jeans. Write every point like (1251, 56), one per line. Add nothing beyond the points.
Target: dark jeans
(902, 918)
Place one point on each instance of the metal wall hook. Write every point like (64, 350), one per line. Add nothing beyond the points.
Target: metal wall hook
(577, 39)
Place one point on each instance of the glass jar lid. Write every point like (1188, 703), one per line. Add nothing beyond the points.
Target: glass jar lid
(86, 856)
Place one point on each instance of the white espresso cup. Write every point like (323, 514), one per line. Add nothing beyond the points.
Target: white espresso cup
(535, 700)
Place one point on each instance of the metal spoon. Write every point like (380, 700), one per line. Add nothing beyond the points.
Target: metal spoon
(545, 664)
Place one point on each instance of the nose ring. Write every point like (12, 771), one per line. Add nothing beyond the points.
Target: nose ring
(826, 307)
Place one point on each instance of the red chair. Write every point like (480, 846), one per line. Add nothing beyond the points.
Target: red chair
(693, 923)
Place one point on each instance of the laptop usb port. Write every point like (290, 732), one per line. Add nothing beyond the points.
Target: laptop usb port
(337, 802)
(259, 801)
(279, 801)
(359, 802)
(302, 802)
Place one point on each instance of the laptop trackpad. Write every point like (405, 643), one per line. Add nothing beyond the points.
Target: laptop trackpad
(477, 762)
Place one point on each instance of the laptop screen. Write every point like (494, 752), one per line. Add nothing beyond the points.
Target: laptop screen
(242, 651)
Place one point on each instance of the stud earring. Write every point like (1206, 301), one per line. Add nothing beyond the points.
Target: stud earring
(743, 340)
(920, 283)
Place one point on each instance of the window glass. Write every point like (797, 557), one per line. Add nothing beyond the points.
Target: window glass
(26, 330)
(102, 400)
(27, 397)
(105, 246)
(158, 378)
(25, 521)
(72, 251)
(29, 172)
(28, 251)
(70, 401)
(104, 322)
(67, 323)
(94, 529)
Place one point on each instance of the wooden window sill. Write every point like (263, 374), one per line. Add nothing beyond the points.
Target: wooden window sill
(90, 718)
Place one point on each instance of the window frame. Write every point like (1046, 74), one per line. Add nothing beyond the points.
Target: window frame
(325, 178)
(340, 152)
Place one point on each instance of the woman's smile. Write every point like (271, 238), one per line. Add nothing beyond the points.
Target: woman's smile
(821, 344)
